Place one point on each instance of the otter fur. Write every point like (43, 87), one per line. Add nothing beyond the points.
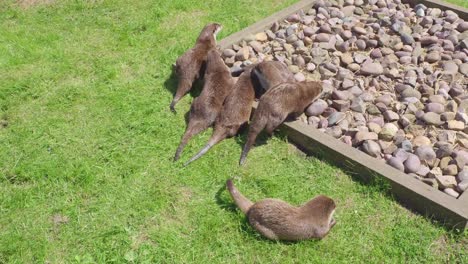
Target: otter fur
(206, 107)
(189, 66)
(234, 114)
(276, 104)
(278, 220)
(269, 74)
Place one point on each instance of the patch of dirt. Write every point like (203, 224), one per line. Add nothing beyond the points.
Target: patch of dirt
(58, 219)
(32, 3)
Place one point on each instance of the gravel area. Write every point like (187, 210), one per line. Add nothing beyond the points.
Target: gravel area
(395, 81)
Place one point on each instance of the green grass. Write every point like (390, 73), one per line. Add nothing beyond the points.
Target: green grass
(462, 3)
(86, 174)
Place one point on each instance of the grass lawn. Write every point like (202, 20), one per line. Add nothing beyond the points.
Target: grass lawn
(87, 140)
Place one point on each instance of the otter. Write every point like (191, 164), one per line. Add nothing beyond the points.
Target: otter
(276, 104)
(235, 112)
(189, 66)
(253, 82)
(269, 74)
(206, 107)
(278, 220)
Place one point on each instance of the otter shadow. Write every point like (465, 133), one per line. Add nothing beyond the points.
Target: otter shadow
(231, 207)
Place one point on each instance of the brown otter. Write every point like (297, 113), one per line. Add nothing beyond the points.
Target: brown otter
(206, 107)
(189, 65)
(236, 109)
(234, 114)
(269, 74)
(278, 220)
(275, 106)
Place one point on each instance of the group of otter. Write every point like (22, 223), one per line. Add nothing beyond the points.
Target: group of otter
(226, 103)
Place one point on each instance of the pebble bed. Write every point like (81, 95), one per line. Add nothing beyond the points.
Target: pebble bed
(395, 81)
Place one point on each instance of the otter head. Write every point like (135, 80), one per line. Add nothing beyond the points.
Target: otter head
(209, 33)
(322, 207)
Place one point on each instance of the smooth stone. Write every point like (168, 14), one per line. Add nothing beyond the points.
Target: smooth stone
(433, 57)
(462, 186)
(400, 154)
(435, 107)
(450, 170)
(455, 125)
(425, 153)
(388, 131)
(410, 92)
(371, 147)
(373, 127)
(431, 118)
(462, 175)
(444, 149)
(371, 69)
(322, 37)
(396, 163)
(451, 192)
(361, 136)
(423, 171)
(316, 108)
(412, 164)
(391, 116)
(335, 118)
(406, 145)
(446, 181)
(310, 67)
(340, 105)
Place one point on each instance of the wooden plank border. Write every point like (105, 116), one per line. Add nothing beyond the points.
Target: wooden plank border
(411, 192)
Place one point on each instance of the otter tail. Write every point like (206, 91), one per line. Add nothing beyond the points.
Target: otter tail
(258, 124)
(243, 203)
(213, 141)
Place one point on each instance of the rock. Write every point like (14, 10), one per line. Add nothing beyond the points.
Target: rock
(462, 175)
(310, 67)
(433, 57)
(262, 36)
(463, 68)
(421, 141)
(373, 127)
(371, 69)
(299, 77)
(229, 53)
(388, 131)
(361, 136)
(451, 192)
(391, 116)
(435, 107)
(450, 67)
(446, 181)
(322, 37)
(444, 150)
(455, 125)
(450, 170)
(410, 92)
(432, 119)
(425, 153)
(335, 118)
(412, 164)
(359, 30)
(462, 186)
(242, 54)
(396, 163)
(316, 108)
(423, 171)
(371, 147)
(406, 145)
(340, 105)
